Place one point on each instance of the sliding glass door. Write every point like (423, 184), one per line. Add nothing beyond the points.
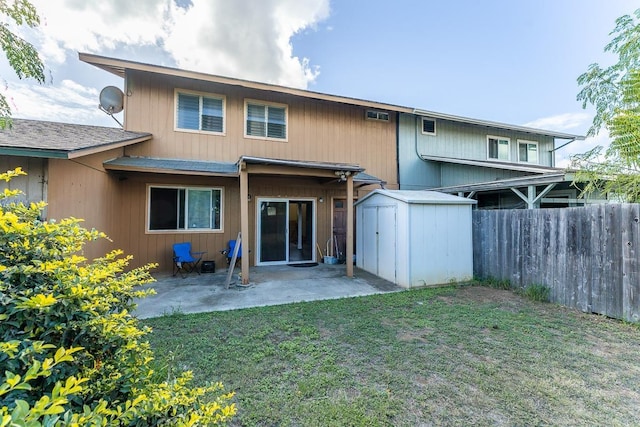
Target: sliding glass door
(286, 231)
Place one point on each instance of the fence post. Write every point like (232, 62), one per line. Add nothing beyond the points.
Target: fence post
(630, 260)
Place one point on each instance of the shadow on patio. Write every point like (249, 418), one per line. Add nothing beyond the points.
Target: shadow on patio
(270, 285)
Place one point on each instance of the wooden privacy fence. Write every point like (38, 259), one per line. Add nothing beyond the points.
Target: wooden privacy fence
(588, 257)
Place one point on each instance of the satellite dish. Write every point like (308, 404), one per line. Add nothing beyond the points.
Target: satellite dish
(111, 100)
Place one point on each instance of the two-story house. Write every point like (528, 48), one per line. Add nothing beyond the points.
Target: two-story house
(202, 158)
(500, 165)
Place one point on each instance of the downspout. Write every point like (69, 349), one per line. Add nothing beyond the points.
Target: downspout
(397, 151)
(415, 141)
(553, 157)
(415, 136)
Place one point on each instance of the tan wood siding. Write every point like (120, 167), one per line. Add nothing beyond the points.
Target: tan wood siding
(83, 189)
(317, 130)
(116, 203)
(130, 234)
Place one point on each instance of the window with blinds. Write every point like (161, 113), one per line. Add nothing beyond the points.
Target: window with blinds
(266, 120)
(198, 112)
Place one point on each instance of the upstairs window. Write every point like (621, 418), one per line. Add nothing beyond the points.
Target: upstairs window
(528, 151)
(377, 115)
(184, 209)
(498, 148)
(198, 112)
(428, 126)
(266, 120)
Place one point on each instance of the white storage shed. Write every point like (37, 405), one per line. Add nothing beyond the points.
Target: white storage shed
(415, 238)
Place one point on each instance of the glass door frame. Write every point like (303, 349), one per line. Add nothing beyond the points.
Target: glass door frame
(288, 201)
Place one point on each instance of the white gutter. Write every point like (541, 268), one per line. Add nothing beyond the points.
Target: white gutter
(487, 123)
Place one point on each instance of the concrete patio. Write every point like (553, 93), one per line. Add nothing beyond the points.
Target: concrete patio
(270, 285)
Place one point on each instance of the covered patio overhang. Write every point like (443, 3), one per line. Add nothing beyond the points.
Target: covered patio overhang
(536, 176)
(230, 169)
(494, 164)
(532, 198)
(326, 173)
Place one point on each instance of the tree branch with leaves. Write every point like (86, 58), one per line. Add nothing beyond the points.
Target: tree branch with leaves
(615, 93)
(22, 55)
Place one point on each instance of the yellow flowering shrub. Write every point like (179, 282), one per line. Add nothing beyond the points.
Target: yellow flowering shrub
(71, 354)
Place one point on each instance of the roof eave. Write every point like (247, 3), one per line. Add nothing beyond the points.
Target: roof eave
(68, 154)
(121, 168)
(170, 166)
(106, 147)
(521, 167)
(496, 125)
(118, 67)
(34, 152)
(302, 164)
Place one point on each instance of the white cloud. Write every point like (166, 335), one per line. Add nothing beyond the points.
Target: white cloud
(66, 102)
(562, 122)
(246, 39)
(98, 25)
(577, 123)
(563, 155)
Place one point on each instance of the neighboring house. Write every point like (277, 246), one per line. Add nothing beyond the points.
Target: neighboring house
(500, 165)
(203, 158)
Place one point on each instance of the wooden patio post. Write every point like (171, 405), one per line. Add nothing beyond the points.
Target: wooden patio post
(349, 255)
(244, 221)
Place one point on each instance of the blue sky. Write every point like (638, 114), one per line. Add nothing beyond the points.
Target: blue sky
(502, 60)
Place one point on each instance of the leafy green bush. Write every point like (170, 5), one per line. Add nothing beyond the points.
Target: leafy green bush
(70, 352)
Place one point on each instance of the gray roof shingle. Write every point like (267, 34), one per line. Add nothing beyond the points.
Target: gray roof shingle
(35, 138)
(150, 164)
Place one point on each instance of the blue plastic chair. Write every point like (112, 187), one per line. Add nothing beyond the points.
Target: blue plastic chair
(229, 251)
(185, 261)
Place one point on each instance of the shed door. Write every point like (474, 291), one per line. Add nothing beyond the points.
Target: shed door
(369, 250)
(387, 243)
(379, 241)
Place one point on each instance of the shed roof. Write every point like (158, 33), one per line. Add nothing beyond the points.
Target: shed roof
(424, 197)
(36, 138)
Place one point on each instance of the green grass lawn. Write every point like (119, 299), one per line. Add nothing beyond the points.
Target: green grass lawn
(447, 356)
